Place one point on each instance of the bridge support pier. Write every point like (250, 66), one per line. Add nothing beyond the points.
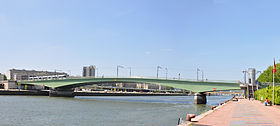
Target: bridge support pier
(61, 93)
(200, 98)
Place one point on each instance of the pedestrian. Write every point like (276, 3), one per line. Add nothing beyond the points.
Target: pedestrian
(266, 102)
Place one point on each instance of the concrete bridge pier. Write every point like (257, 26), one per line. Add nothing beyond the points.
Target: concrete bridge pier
(200, 98)
(61, 93)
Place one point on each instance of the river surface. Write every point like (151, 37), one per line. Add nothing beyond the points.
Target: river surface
(99, 111)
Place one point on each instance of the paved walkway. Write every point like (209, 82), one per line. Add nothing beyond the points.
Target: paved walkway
(243, 113)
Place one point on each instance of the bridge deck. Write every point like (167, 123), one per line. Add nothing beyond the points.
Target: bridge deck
(193, 86)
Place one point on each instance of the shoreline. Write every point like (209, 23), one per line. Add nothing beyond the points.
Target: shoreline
(204, 114)
(24, 92)
(78, 93)
(236, 112)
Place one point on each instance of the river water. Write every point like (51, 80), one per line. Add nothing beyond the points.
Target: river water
(99, 111)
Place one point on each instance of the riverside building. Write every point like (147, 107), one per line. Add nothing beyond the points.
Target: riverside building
(89, 71)
(15, 74)
(2, 77)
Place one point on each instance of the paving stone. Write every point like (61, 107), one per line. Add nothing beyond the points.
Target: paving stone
(243, 113)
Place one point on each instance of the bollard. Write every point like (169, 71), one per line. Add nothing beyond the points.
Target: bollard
(189, 117)
(234, 99)
(180, 121)
(213, 107)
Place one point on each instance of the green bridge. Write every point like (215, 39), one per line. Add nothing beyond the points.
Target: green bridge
(194, 86)
(65, 87)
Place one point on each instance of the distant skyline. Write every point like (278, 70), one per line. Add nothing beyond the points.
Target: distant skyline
(221, 37)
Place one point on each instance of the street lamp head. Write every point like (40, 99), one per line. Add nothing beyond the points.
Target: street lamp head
(244, 71)
(120, 66)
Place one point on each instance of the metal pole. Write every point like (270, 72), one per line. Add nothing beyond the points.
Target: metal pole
(244, 76)
(245, 83)
(166, 72)
(197, 74)
(157, 72)
(179, 76)
(273, 88)
(253, 89)
(117, 71)
(202, 75)
(158, 67)
(130, 72)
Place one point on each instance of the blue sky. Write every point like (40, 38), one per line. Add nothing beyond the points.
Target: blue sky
(221, 37)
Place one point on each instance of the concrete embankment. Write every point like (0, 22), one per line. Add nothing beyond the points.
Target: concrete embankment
(243, 112)
(78, 93)
(201, 116)
(126, 94)
(24, 92)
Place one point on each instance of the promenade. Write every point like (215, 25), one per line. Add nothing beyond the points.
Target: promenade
(242, 113)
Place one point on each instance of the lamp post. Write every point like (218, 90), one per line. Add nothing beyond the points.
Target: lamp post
(158, 67)
(130, 72)
(197, 73)
(244, 71)
(166, 72)
(118, 66)
(202, 75)
(179, 76)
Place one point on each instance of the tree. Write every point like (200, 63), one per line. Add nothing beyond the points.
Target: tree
(267, 75)
(5, 77)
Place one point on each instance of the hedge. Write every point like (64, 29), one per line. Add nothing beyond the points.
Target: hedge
(267, 92)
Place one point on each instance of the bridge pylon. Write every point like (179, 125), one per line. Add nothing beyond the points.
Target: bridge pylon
(57, 92)
(200, 98)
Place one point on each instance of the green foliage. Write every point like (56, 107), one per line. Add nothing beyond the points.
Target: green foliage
(267, 75)
(267, 92)
(5, 77)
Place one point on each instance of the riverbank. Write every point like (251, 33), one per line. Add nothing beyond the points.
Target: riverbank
(242, 113)
(90, 93)
(24, 92)
(102, 93)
